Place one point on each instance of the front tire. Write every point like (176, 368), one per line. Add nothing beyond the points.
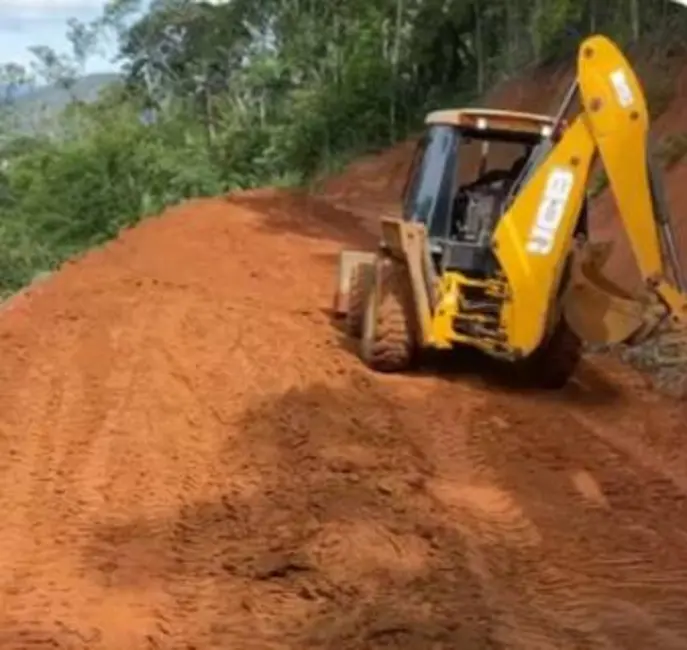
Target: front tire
(388, 335)
(553, 364)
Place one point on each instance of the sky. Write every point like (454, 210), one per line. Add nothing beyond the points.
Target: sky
(24, 23)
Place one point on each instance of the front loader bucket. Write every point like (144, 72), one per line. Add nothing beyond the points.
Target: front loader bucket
(348, 260)
(598, 310)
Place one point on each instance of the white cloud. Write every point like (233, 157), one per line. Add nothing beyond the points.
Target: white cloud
(51, 5)
(47, 10)
(24, 23)
(42, 10)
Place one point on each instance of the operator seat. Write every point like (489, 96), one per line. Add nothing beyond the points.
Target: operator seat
(493, 186)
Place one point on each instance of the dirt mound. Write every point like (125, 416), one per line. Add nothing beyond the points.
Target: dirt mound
(191, 458)
(372, 186)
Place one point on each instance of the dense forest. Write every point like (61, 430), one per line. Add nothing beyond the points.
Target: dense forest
(215, 96)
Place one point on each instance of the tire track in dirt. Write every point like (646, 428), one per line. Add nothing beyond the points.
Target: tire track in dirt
(597, 559)
(196, 460)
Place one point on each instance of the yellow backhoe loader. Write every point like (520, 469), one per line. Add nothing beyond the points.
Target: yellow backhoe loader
(492, 248)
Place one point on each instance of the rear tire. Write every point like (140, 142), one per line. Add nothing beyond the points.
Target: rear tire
(388, 334)
(553, 364)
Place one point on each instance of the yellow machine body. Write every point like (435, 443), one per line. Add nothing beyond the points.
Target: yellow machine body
(543, 274)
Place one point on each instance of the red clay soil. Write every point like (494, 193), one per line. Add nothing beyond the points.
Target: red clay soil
(622, 267)
(190, 457)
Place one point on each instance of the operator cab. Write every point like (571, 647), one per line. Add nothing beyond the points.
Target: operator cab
(464, 170)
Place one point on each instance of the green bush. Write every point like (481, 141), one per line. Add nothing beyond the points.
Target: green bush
(259, 93)
(58, 198)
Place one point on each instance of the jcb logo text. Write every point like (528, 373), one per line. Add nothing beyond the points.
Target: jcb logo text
(551, 211)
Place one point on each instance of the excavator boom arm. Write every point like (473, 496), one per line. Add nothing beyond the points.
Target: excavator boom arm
(534, 239)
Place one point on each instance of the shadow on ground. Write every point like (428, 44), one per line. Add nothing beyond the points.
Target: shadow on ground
(355, 519)
(336, 545)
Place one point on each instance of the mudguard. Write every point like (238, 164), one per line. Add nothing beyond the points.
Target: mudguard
(348, 260)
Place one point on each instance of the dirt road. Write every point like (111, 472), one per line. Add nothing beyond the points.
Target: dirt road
(190, 458)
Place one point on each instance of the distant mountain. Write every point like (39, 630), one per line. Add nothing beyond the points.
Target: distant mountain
(85, 89)
(34, 108)
(15, 92)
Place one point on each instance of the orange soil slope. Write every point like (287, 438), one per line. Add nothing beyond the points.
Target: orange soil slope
(191, 458)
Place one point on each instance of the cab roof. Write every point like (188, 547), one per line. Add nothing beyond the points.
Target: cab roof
(485, 119)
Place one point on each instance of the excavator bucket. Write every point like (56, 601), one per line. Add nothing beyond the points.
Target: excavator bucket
(605, 315)
(597, 309)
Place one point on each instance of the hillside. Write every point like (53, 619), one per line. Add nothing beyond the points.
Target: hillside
(192, 457)
(379, 179)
